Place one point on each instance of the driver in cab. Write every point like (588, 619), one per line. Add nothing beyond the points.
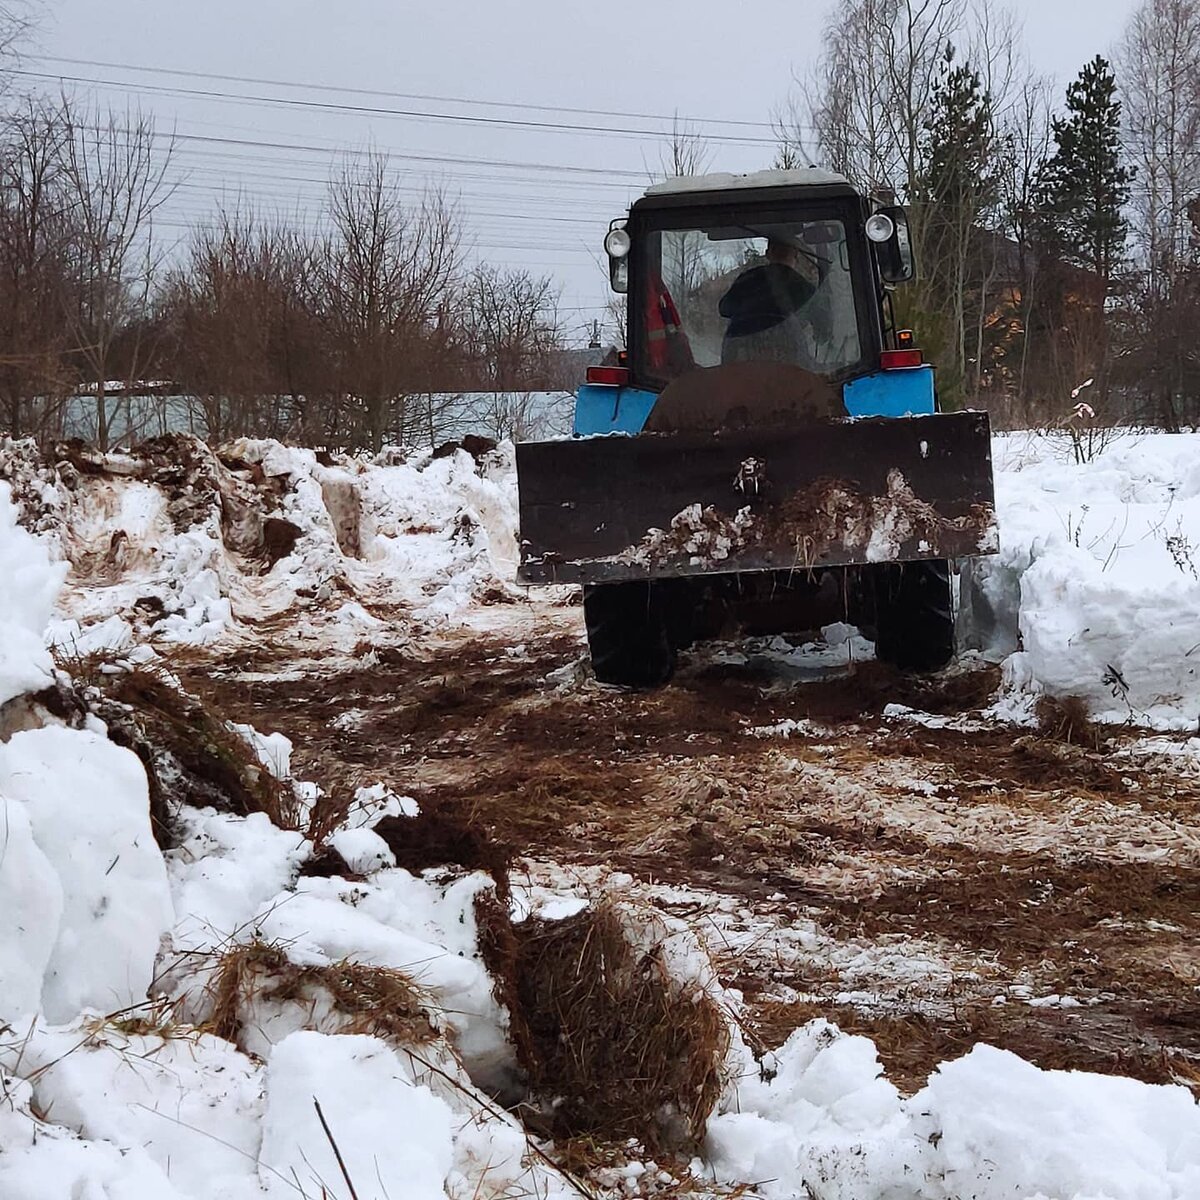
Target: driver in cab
(766, 309)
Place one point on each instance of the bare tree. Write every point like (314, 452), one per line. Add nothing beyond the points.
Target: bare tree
(386, 272)
(118, 177)
(16, 22)
(1160, 83)
(511, 320)
(1026, 130)
(244, 338)
(687, 153)
(869, 98)
(35, 237)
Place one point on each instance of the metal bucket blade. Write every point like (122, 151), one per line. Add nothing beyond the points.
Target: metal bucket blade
(830, 494)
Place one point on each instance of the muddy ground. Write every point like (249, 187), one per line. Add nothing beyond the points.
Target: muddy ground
(929, 886)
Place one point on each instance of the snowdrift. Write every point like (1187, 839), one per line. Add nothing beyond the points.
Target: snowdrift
(1099, 576)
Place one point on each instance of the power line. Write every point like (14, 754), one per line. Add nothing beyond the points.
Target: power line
(357, 91)
(379, 111)
(450, 160)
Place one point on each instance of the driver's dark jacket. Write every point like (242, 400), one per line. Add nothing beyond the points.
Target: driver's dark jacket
(762, 297)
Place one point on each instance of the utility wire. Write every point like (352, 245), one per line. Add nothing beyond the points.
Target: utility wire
(380, 111)
(357, 91)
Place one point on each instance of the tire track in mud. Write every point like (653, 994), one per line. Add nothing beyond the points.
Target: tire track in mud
(928, 886)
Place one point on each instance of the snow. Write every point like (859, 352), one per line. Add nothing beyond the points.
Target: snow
(115, 902)
(29, 587)
(31, 898)
(192, 1103)
(1099, 572)
(398, 1144)
(988, 1125)
(364, 850)
(405, 532)
(723, 180)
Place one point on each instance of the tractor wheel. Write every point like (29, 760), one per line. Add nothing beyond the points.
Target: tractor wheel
(914, 622)
(628, 633)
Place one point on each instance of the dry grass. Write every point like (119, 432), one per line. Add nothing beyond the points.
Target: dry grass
(1068, 719)
(618, 1048)
(374, 1000)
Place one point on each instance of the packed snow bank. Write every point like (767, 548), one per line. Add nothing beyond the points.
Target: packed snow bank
(401, 1143)
(1099, 571)
(29, 587)
(822, 1121)
(188, 1102)
(88, 811)
(83, 886)
(180, 543)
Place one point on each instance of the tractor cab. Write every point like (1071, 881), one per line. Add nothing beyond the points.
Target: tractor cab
(785, 269)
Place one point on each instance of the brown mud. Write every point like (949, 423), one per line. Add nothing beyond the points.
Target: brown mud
(1024, 865)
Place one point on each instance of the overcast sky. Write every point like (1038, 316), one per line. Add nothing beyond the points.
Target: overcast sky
(531, 195)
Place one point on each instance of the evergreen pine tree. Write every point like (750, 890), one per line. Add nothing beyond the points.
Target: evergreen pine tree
(956, 193)
(1084, 186)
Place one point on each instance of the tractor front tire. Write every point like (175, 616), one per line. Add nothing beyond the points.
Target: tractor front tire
(914, 620)
(628, 633)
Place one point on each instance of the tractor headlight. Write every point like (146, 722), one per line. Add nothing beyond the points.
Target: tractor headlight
(880, 227)
(617, 243)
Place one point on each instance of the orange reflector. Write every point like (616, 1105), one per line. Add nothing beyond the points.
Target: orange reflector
(904, 339)
(612, 376)
(889, 360)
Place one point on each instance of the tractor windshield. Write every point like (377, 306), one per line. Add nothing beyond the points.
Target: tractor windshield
(773, 292)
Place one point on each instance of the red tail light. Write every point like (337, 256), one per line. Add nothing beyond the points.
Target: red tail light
(612, 376)
(889, 360)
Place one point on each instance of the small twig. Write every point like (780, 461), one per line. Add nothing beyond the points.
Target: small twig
(336, 1152)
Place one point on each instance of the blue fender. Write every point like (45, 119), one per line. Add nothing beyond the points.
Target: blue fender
(602, 408)
(901, 392)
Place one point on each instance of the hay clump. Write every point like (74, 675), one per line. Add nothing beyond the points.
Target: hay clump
(356, 997)
(618, 1045)
(1068, 719)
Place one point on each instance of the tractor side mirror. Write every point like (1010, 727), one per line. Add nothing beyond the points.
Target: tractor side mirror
(895, 255)
(617, 245)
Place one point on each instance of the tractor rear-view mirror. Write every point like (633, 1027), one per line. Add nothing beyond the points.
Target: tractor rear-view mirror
(895, 256)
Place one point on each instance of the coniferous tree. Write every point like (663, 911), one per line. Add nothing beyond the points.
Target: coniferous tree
(1084, 185)
(957, 192)
(1080, 230)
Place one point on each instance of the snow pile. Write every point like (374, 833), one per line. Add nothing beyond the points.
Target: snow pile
(82, 883)
(1099, 568)
(183, 544)
(29, 587)
(101, 903)
(822, 1121)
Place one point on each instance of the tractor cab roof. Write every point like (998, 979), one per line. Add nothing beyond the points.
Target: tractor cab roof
(725, 188)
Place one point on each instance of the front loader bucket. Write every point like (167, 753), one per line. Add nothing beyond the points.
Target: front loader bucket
(846, 492)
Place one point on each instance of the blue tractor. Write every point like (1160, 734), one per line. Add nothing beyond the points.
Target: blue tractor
(768, 454)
